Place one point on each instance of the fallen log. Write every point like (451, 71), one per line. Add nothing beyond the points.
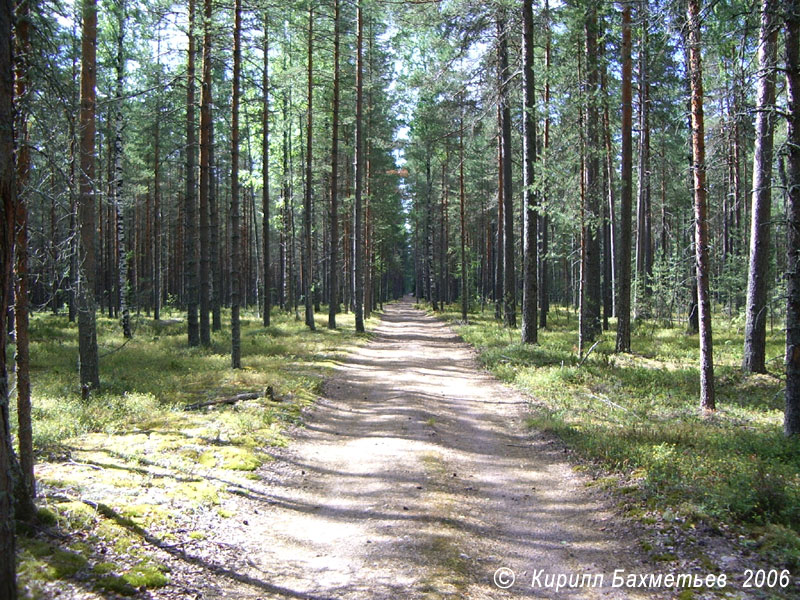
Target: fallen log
(268, 393)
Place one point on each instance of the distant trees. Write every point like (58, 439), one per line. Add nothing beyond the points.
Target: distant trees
(353, 204)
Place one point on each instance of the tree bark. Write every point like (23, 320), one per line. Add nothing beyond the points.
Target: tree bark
(8, 582)
(265, 201)
(307, 241)
(21, 304)
(333, 277)
(358, 252)
(791, 420)
(236, 344)
(462, 205)
(529, 210)
(117, 186)
(644, 261)
(189, 211)
(755, 333)
(205, 180)
(87, 318)
(590, 296)
(544, 282)
(623, 342)
(707, 401)
(509, 273)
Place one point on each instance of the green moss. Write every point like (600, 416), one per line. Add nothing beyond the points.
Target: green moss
(146, 575)
(201, 493)
(239, 459)
(39, 560)
(115, 583)
(104, 568)
(207, 459)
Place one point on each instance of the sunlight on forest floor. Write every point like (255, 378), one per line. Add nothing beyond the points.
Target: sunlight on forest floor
(637, 417)
(129, 470)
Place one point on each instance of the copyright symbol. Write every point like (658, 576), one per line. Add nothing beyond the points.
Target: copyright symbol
(504, 578)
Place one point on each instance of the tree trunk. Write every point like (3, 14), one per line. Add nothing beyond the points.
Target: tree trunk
(791, 421)
(529, 209)
(8, 582)
(236, 345)
(509, 275)
(358, 252)
(462, 203)
(755, 334)
(213, 210)
(155, 220)
(626, 193)
(644, 263)
(205, 180)
(265, 176)
(189, 211)
(544, 281)
(590, 297)
(307, 241)
(25, 430)
(333, 276)
(700, 208)
(87, 318)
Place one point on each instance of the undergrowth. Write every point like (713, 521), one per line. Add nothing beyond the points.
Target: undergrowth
(637, 416)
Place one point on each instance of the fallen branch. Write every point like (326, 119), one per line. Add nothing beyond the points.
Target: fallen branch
(233, 399)
(585, 356)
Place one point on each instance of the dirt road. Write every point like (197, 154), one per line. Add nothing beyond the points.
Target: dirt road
(416, 478)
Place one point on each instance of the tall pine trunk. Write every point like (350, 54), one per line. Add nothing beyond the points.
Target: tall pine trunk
(509, 273)
(206, 181)
(529, 209)
(236, 343)
(626, 193)
(590, 296)
(87, 318)
(791, 421)
(333, 276)
(8, 583)
(117, 187)
(358, 251)
(462, 205)
(700, 208)
(265, 176)
(21, 305)
(189, 210)
(755, 333)
(544, 281)
(307, 216)
(644, 261)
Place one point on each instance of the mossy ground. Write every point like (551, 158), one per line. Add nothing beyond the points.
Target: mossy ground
(129, 471)
(636, 418)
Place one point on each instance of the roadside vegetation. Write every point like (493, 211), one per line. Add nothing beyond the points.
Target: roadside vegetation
(128, 475)
(634, 418)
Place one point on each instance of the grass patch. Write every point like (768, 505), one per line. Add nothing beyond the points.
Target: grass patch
(636, 416)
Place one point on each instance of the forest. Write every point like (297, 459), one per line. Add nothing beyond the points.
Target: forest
(222, 220)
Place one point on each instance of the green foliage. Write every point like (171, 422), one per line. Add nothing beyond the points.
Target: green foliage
(636, 416)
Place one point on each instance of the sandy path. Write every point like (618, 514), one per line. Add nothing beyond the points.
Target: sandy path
(416, 478)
